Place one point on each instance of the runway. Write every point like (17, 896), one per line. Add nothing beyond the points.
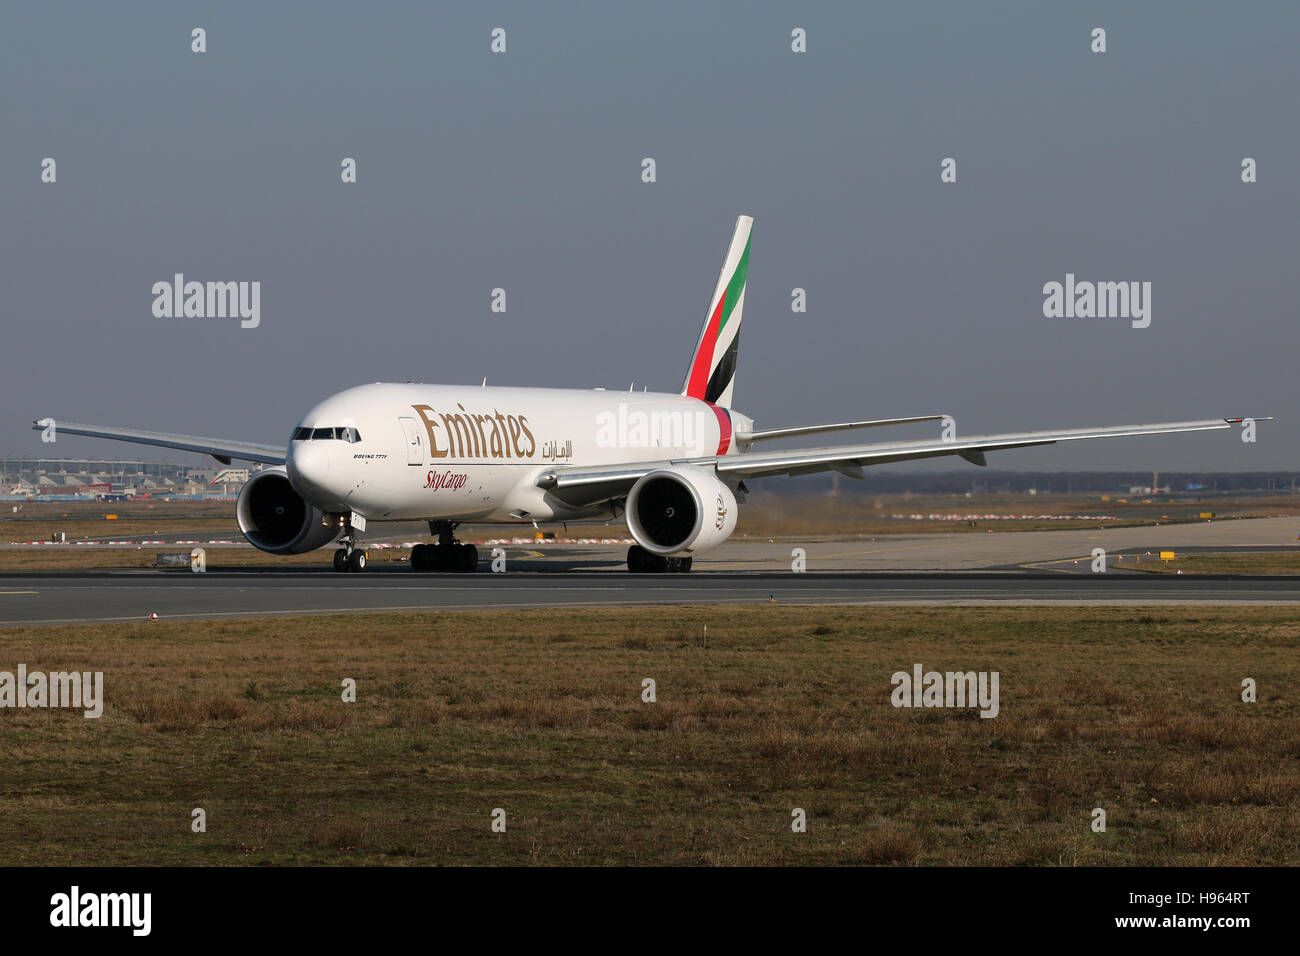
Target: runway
(75, 598)
(1048, 567)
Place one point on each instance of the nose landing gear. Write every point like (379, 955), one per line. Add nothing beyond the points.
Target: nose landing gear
(354, 560)
(349, 557)
(447, 555)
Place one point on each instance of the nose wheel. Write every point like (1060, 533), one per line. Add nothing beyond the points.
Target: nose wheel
(354, 560)
(349, 557)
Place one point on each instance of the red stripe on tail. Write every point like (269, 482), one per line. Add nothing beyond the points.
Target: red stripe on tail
(704, 357)
(724, 429)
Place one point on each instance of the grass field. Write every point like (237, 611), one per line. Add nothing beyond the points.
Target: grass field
(37, 520)
(540, 713)
(91, 559)
(1264, 562)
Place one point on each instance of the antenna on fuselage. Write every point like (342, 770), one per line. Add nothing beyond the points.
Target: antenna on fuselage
(484, 385)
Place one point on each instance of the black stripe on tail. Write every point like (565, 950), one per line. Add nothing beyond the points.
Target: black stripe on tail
(725, 372)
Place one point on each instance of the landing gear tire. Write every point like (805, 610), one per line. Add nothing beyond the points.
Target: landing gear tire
(641, 561)
(348, 557)
(453, 558)
(468, 558)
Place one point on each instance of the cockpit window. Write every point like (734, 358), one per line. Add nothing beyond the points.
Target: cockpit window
(348, 434)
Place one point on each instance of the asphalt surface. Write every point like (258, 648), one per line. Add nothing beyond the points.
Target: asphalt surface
(71, 597)
(935, 569)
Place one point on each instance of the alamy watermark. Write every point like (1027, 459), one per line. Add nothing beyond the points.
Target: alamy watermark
(635, 428)
(75, 908)
(208, 300)
(1074, 299)
(950, 689)
(82, 690)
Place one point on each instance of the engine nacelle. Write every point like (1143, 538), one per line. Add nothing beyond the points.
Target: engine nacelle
(276, 519)
(680, 510)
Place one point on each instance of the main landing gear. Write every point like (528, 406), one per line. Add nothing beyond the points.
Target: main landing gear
(447, 555)
(641, 561)
(349, 557)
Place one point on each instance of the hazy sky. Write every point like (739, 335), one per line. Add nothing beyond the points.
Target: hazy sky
(522, 170)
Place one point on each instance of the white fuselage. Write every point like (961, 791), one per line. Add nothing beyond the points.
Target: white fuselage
(392, 452)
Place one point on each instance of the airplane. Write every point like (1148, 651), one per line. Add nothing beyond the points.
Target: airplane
(674, 466)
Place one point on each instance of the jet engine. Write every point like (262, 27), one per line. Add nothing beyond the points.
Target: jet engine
(680, 510)
(276, 519)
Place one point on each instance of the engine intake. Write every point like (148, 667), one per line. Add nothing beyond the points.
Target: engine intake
(276, 519)
(680, 510)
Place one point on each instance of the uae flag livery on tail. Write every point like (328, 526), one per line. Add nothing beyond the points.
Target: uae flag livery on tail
(712, 375)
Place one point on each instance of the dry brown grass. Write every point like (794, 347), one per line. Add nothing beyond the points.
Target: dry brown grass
(540, 712)
(37, 520)
(72, 558)
(1263, 562)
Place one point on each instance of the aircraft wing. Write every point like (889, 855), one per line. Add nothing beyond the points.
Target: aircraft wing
(771, 433)
(850, 458)
(588, 486)
(218, 448)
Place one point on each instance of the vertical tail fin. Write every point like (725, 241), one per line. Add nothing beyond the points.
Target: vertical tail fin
(712, 375)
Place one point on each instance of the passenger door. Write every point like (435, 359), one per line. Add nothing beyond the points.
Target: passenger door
(414, 441)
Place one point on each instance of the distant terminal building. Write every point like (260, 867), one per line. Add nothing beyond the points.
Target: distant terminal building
(97, 477)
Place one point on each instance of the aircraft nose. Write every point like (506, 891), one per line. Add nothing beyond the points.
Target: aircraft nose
(309, 466)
